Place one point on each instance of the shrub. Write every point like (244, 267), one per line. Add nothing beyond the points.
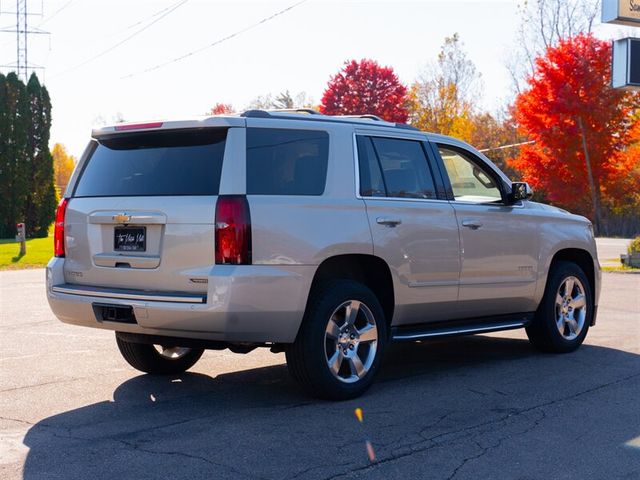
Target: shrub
(634, 246)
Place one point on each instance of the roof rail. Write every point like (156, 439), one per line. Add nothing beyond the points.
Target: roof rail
(320, 117)
(267, 113)
(310, 111)
(367, 116)
(255, 114)
(370, 116)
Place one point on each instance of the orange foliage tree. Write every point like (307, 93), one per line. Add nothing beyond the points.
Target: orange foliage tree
(221, 109)
(582, 128)
(63, 165)
(365, 87)
(441, 100)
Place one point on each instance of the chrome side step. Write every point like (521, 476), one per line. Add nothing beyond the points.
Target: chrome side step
(464, 327)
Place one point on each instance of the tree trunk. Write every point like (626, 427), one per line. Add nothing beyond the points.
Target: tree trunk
(595, 194)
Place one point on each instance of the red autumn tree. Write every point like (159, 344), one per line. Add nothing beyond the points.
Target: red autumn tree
(365, 87)
(221, 109)
(582, 127)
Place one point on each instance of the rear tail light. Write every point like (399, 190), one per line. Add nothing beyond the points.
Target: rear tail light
(58, 231)
(233, 230)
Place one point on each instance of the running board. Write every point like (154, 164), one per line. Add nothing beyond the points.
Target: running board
(461, 327)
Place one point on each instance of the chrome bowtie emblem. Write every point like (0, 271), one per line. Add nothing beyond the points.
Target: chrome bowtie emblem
(121, 218)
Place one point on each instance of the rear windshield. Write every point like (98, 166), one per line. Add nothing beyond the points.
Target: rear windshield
(187, 162)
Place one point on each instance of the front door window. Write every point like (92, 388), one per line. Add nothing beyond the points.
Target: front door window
(469, 182)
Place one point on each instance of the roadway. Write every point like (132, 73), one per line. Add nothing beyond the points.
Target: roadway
(486, 406)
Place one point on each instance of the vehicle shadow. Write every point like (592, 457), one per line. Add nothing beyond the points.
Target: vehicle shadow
(445, 397)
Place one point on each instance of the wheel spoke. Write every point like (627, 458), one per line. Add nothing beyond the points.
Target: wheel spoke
(173, 352)
(573, 326)
(356, 366)
(352, 312)
(561, 324)
(368, 334)
(335, 362)
(333, 330)
(568, 286)
(578, 302)
(168, 351)
(559, 300)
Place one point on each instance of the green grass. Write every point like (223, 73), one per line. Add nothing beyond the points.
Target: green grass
(620, 269)
(39, 251)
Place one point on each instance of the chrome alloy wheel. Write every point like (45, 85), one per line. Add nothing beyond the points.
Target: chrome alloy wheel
(571, 308)
(172, 353)
(351, 341)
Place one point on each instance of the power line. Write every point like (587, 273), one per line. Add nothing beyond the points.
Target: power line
(122, 30)
(159, 12)
(217, 42)
(502, 147)
(50, 17)
(174, 7)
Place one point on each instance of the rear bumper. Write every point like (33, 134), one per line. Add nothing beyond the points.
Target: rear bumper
(248, 303)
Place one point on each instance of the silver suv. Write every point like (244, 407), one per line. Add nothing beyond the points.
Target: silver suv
(323, 237)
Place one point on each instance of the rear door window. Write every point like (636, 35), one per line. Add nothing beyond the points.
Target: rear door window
(286, 162)
(394, 167)
(371, 181)
(187, 162)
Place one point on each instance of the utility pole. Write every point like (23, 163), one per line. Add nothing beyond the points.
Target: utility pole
(21, 39)
(22, 32)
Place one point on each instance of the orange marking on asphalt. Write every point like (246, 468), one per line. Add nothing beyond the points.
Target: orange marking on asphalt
(358, 412)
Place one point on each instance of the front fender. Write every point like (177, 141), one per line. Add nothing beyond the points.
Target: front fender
(562, 236)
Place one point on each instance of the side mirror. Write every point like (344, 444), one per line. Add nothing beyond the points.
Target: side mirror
(520, 191)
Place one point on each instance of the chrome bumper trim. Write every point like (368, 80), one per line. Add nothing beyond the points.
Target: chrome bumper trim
(116, 293)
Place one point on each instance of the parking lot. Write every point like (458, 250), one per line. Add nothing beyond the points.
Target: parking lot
(486, 406)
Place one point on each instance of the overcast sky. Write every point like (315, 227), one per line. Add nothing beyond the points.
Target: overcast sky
(92, 79)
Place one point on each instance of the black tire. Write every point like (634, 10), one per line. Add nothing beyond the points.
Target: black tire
(146, 358)
(307, 357)
(544, 332)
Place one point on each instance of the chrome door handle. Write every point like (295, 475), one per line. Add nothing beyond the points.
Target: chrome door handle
(472, 224)
(391, 222)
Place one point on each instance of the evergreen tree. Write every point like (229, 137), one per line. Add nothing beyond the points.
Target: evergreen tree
(50, 200)
(14, 121)
(4, 138)
(41, 202)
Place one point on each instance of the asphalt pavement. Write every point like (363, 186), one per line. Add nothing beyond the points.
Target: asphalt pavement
(609, 250)
(480, 407)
